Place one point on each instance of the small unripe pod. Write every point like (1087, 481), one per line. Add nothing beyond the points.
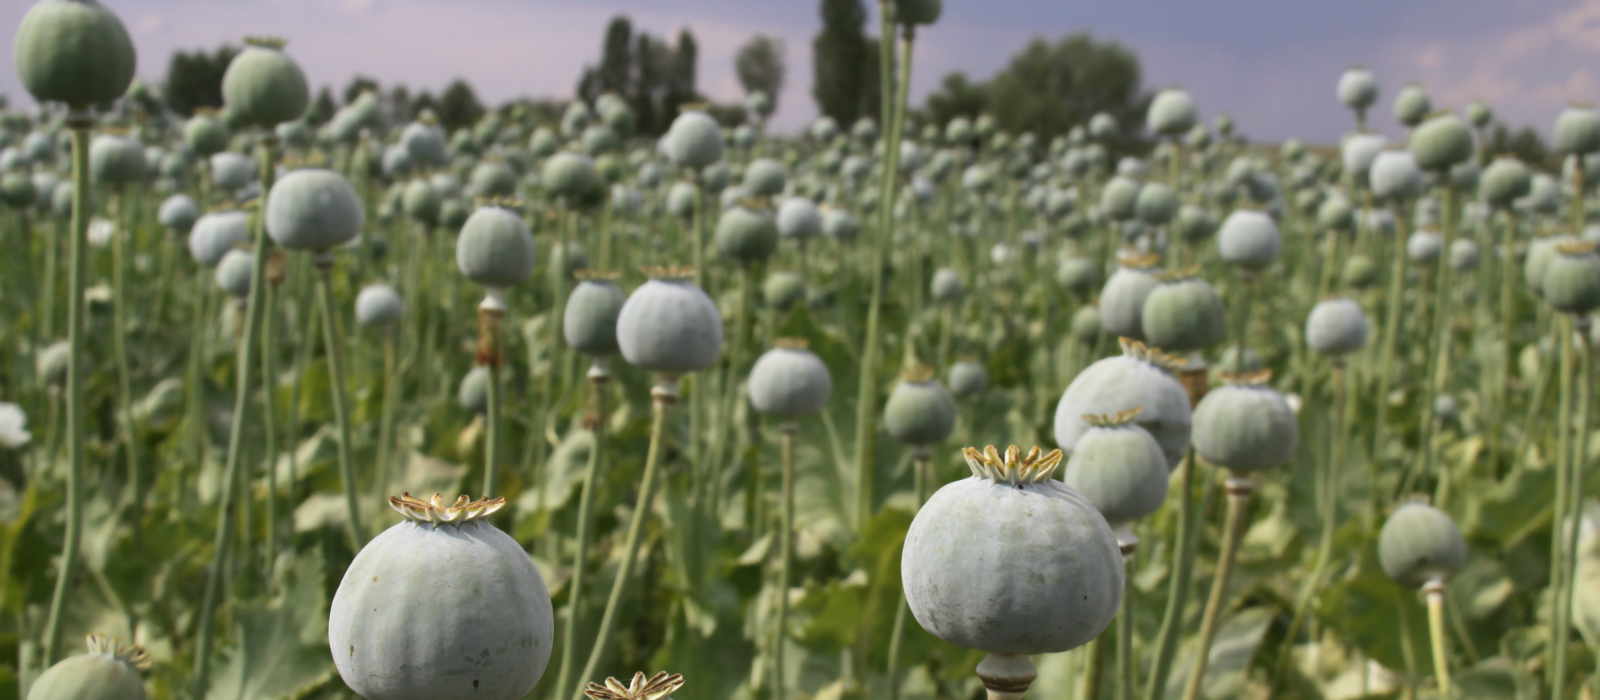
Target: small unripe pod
(379, 305)
(314, 210)
(669, 326)
(495, 248)
(1182, 314)
(589, 322)
(920, 411)
(968, 378)
(1420, 544)
(1358, 89)
(1246, 426)
(1249, 240)
(1336, 327)
(790, 381)
(1441, 143)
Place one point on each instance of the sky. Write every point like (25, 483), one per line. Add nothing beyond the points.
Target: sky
(1271, 64)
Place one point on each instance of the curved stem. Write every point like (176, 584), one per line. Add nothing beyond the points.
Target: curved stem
(1237, 520)
(662, 398)
(1434, 592)
(341, 411)
(79, 121)
(598, 380)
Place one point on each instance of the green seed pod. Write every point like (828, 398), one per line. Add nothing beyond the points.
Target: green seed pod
(1479, 114)
(1103, 127)
(543, 143)
(1120, 468)
(73, 51)
(205, 135)
(865, 129)
(1183, 313)
(52, 363)
(1335, 214)
(1540, 253)
(398, 633)
(110, 671)
(1249, 240)
(747, 235)
(1571, 281)
(453, 214)
(759, 103)
(379, 306)
(920, 411)
(217, 233)
(765, 177)
(589, 323)
(1504, 181)
(789, 381)
(493, 178)
(1411, 106)
(824, 129)
(1077, 273)
(968, 378)
(425, 143)
(422, 203)
(1358, 89)
(1336, 327)
(570, 176)
(1246, 426)
(1123, 297)
(495, 248)
(473, 394)
(839, 225)
(1156, 204)
(669, 326)
(116, 160)
(263, 86)
(1119, 198)
(1441, 143)
(1359, 272)
(1086, 326)
(233, 273)
(1395, 177)
(1030, 568)
(694, 140)
(1172, 113)
(232, 171)
(922, 12)
(1419, 544)
(799, 219)
(1194, 223)
(1463, 255)
(178, 214)
(599, 139)
(1424, 246)
(1357, 152)
(1577, 130)
(783, 289)
(314, 210)
(1139, 378)
(681, 199)
(17, 191)
(946, 287)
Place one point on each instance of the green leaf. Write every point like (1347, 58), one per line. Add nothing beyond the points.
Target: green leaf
(281, 646)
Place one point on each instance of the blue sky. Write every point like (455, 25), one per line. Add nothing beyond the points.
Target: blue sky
(1272, 64)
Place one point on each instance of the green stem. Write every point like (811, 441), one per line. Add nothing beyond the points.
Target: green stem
(52, 254)
(1439, 368)
(1507, 323)
(790, 431)
(1095, 667)
(1125, 658)
(1441, 661)
(1178, 584)
(1391, 333)
(79, 121)
(269, 414)
(341, 411)
(921, 467)
(598, 381)
(119, 340)
(391, 401)
(1237, 520)
(1558, 551)
(663, 396)
(1568, 531)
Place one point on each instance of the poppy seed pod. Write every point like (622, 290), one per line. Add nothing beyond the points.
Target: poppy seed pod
(790, 381)
(231, 171)
(1411, 105)
(425, 144)
(920, 410)
(1395, 177)
(1245, 425)
(1120, 468)
(1183, 313)
(73, 51)
(1359, 272)
(217, 233)
(1010, 560)
(1077, 273)
(918, 11)
(1194, 223)
(1424, 246)
(1119, 198)
(110, 671)
(1139, 378)
(314, 210)
(379, 306)
(1504, 181)
(681, 199)
(1420, 544)
(946, 286)
(1086, 325)
(669, 326)
(399, 634)
(17, 191)
(178, 213)
(233, 273)
(1358, 89)
(495, 248)
(765, 177)
(694, 140)
(116, 160)
(589, 322)
(746, 235)
(569, 176)
(1479, 114)
(473, 393)
(1463, 255)
(1571, 280)
(1171, 113)
(1123, 296)
(839, 225)
(1441, 142)
(1336, 214)
(968, 378)
(1540, 253)
(783, 289)
(1336, 327)
(799, 219)
(1357, 152)
(1577, 130)
(1156, 204)
(1249, 240)
(263, 86)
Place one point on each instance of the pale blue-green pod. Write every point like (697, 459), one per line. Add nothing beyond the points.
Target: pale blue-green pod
(1577, 130)
(1249, 240)
(1011, 561)
(1571, 280)
(1411, 105)
(1395, 177)
(799, 219)
(1479, 114)
(1156, 204)
(1245, 426)
(217, 233)
(920, 410)
(473, 393)
(493, 178)
(716, 176)
(758, 102)
(294, 134)
(1336, 214)
(453, 214)
(599, 139)
(379, 306)
(1123, 296)
(1464, 175)
(1419, 545)
(1139, 378)
(543, 143)
(1504, 181)
(1086, 326)
(782, 289)
(921, 12)
(681, 199)
(977, 179)
(1183, 314)
(1544, 195)
(396, 161)
(264, 87)
(958, 130)
(426, 145)
(205, 135)
(840, 225)
(1077, 273)
(968, 378)
(575, 119)
(694, 140)
(178, 214)
(1120, 468)
(589, 323)
(1194, 223)
(45, 185)
(231, 171)
(569, 176)
(790, 381)
(73, 51)
(1171, 113)
(1441, 143)
(1198, 137)
(732, 197)
(1103, 127)
(397, 633)
(669, 325)
(1464, 255)
(765, 177)
(1359, 272)
(1358, 89)
(946, 286)
(1424, 246)
(117, 161)
(1357, 152)
(1337, 327)
(1540, 253)
(495, 248)
(110, 671)
(824, 129)
(233, 273)
(314, 210)
(865, 130)
(1119, 198)
(17, 191)
(746, 235)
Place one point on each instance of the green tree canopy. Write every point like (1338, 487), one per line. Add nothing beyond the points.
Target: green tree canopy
(459, 106)
(194, 80)
(655, 77)
(844, 63)
(760, 65)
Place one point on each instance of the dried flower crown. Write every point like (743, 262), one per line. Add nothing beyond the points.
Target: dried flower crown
(132, 655)
(1576, 246)
(587, 275)
(511, 203)
(669, 273)
(1014, 468)
(655, 688)
(266, 42)
(1136, 260)
(1139, 351)
(791, 343)
(436, 512)
(916, 373)
(1259, 377)
(1179, 275)
(1114, 420)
